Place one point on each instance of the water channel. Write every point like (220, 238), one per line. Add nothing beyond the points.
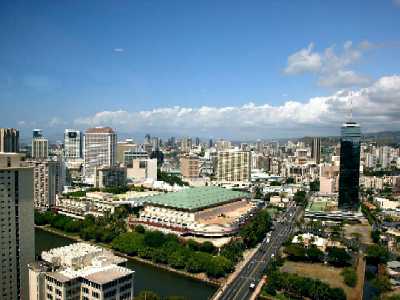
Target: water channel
(147, 277)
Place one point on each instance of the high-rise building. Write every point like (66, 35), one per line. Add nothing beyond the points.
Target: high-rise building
(316, 150)
(72, 144)
(16, 218)
(234, 165)
(186, 145)
(126, 146)
(40, 148)
(349, 173)
(190, 166)
(45, 183)
(9, 140)
(80, 271)
(100, 150)
(37, 133)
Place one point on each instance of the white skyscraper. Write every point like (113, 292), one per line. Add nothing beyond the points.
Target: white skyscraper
(72, 144)
(16, 218)
(100, 150)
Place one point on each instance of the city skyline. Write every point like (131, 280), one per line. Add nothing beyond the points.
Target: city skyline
(143, 67)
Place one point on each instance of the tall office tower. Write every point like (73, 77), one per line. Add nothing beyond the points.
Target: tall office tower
(197, 142)
(40, 147)
(186, 145)
(17, 244)
(72, 144)
(100, 150)
(9, 140)
(44, 183)
(80, 271)
(316, 150)
(210, 143)
(234, 165)
(349, 173)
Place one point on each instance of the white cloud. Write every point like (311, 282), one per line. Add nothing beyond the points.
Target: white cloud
(303, 61)
(118, 49)
(342, 79)
(56, 121)
(376, 107)
(330, 66)
(396, 2)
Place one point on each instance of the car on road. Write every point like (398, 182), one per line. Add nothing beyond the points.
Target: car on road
(252, 285)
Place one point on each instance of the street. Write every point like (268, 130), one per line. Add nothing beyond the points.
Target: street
(253, 270)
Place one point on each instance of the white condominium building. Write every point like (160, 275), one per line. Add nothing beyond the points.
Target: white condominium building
(234, 165)
(16, 221)
(45, 179)
(80, 271)
(40, 148)
(100, 150)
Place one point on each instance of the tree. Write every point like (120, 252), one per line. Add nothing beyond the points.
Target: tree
(314, 254)
(377, 254)
(314, 186)
(147, 295)
(338, 257)
(139, 229)
(300, 198)
(349, 277)
(154, 239)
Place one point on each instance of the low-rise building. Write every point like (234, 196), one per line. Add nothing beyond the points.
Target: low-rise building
(80, 271)
(142, 169)
(387, 204)
(200, 211)
(114, 176)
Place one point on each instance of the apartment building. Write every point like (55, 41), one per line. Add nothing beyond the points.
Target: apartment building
(234, 165)
(17, 244)
(190, 166)
(9, 140)
(80, 271)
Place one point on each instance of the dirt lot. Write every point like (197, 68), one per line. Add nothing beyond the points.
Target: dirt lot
(364, 229)
(329, 275)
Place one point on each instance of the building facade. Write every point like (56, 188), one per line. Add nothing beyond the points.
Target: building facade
(40, 148)
(80, 271)
(234, 165)
(17, 244)
(190, 166)
(9, 140)
(72, 144)
(316, 150)
(44, 182)
(142, 169)
(349, 173)
(100, 150)
(114, 176)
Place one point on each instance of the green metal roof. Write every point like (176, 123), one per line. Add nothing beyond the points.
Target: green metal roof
(195, 198)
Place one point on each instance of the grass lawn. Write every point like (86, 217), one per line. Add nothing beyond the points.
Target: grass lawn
(329, 275)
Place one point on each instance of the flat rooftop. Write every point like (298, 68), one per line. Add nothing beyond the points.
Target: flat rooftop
(196, 198)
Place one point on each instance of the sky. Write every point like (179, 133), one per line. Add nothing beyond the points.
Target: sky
(232, 69)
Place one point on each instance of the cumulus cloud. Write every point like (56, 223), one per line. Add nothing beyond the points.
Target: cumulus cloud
(376, 107)
(330, 66)
(304, 60)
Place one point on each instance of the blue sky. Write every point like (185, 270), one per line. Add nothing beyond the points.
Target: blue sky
(64, 62)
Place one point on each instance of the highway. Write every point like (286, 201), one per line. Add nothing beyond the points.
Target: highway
(253, 270)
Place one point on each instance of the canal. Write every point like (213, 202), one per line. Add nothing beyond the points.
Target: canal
(147, 277)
